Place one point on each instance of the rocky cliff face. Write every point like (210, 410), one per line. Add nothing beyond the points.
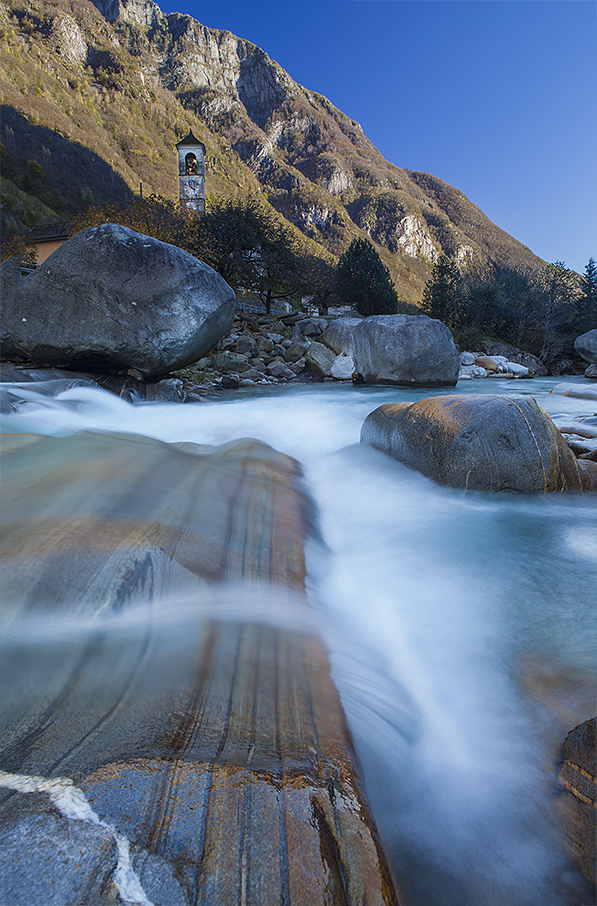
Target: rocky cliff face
(261, 128)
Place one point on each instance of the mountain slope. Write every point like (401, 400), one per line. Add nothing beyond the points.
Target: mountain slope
(121, 82)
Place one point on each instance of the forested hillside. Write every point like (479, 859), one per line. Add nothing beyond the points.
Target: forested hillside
(95, 98)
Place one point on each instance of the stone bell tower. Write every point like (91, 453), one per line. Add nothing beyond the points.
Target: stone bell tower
(191, 174)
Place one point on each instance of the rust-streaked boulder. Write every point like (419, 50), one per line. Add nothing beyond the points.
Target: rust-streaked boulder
(197, 718)
(578, 775)
(479, 442)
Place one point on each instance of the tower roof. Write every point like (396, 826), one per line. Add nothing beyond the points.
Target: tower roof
(190, 141)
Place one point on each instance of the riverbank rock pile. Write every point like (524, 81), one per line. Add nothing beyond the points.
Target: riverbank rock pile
(391, 349)
(112, 299)
(169, 737)
(578, 776)
(480, 442)
(512, 364)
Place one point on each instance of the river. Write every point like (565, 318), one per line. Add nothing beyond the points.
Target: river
(462, 628)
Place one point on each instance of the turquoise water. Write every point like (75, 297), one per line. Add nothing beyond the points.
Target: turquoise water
(462, 628)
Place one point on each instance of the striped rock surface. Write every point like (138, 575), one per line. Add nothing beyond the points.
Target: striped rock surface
(480, 442)
(579, 806)
(170, 731)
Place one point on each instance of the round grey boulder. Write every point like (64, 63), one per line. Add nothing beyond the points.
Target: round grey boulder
(480, 442)
(586, 346)
(339, 334)
(405, 349)
(111, 299)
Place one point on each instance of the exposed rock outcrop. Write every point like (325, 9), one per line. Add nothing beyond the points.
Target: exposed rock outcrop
(405, 349)
(225, 778)
(109, 299)
(480, 442)
(579, 806)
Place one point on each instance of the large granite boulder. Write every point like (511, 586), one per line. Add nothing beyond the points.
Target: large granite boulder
(339, 335)
(586, 346)
(578, 776)
(405, 349)
(111, 299)
(480, 442)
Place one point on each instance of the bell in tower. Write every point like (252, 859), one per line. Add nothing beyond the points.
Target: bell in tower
(191, 174)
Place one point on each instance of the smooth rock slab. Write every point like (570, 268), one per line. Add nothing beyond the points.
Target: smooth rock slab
(577, 391)
(479, 442)
(405, 349)
(111, 298)
(198, 717)
(578, 776)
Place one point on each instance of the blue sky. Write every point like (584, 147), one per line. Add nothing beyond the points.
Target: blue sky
(497, 97)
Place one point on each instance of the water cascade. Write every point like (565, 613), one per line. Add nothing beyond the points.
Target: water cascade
(461, 629)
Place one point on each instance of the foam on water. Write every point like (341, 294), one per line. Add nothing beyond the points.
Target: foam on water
(450, 618)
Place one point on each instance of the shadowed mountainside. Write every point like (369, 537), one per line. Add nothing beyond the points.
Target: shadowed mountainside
(126, 81)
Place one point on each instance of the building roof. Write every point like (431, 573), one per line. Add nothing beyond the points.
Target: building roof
(48, 231)
(190, 141)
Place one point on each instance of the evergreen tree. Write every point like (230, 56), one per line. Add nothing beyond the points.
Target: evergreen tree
(363, 281)
(586, 303)
(443, 297)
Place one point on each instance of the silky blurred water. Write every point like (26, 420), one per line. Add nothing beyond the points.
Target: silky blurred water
(462, 628)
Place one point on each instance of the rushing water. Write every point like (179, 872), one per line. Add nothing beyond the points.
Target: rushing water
(462, 629)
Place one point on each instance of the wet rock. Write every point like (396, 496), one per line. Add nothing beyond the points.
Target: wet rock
(578, 776)
(479, 442)
(169, 390)
(109, 299)
(339, 335)
(586, 346)
(578, 391)
(405, 349)
(233, 780)
(319, 360)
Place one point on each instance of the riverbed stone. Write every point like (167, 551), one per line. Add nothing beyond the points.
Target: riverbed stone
(110, 298)
(405, 350)
(578, 391)
(343, 368)
(591, 372)
(578, 776)
(319, 360)
(480, 442)
(467, 358)
(230, 362)
(586, 346)
(339, 335)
